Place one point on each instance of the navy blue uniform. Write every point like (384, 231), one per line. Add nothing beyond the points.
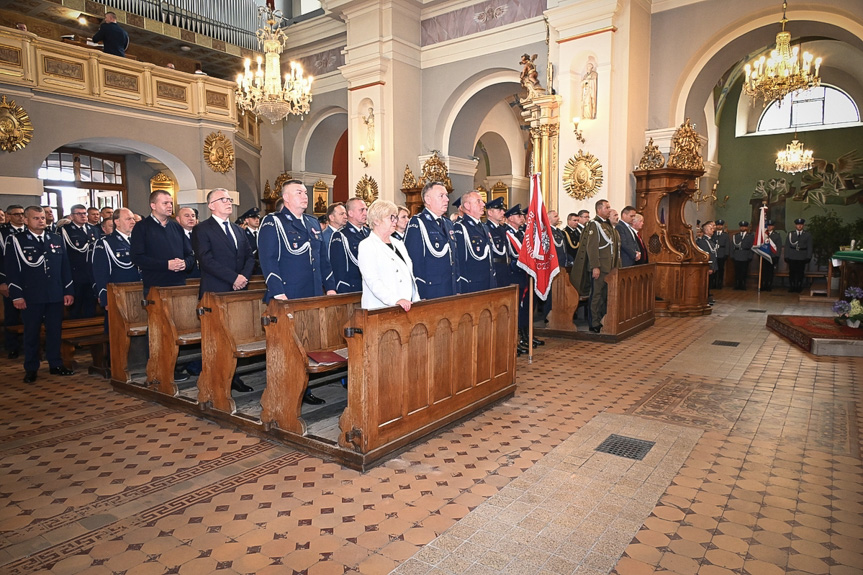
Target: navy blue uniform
(292, 258)
(519, 276)
(11, 315)
(431, 244)
(474, 255)
(153, 245)
(343, 252)
(112, 263)
(500, 254)
(39, 273)
(79, 242)
(252, 237)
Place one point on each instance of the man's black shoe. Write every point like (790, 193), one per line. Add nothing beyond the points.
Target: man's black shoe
(29, 376)
(62, 370)
(312, 399)
(538, 342)
(238, 385)
(13, 355)
(596, 329)
(180, 376)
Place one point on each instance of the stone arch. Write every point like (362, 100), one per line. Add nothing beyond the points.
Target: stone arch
(320, 132)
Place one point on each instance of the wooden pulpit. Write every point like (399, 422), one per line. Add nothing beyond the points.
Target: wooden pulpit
(682, 269)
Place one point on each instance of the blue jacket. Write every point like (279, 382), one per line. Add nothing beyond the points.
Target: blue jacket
(112, 263)
(79, 242)
(153, 245)
(114, 38)
(37, 273)
(219, 259)
(500, 253)
(474, 256)
(6, 230)
(343, 251)
(431, 246)
(292, 258)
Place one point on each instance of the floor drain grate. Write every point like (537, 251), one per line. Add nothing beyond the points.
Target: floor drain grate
(757, 310)
(628, 447)
(726, 343)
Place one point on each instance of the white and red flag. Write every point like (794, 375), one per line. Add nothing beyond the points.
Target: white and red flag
(537, 255)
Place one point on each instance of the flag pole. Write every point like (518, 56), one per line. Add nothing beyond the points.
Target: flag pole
(760, 263)
(530, 322)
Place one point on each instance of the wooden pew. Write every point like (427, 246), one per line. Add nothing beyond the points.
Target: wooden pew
(127, 318)
(231, 329)
(172, 321)
(564, 303)
(294, 328)
(631, 301)
(412, 373)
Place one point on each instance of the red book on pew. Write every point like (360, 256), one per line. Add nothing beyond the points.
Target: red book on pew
(325, 357)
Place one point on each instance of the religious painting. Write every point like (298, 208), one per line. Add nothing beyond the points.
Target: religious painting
(320, 193)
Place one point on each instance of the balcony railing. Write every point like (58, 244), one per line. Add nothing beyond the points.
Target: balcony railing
(232, 21)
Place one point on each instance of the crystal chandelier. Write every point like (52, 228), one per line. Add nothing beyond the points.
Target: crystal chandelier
(794, 158)
(783, 73)
(261, 91)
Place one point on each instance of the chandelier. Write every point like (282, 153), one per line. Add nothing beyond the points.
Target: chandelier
(794, 158)
(262, 91)
(783, 73)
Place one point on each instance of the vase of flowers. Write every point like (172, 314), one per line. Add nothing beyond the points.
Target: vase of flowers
(849, 310)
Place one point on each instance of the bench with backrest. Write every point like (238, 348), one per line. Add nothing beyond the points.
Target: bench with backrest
(230, 330)
(127, 319)
(172, 321)
(294, 328)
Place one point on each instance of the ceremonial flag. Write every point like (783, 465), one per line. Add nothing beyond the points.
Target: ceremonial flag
(763, 245)
(537, 255)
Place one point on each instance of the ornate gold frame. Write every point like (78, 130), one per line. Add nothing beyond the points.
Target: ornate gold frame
(500, 190)
(218, 152)
(320, 191)
(367, 189)
(582, 176)
(16, 130)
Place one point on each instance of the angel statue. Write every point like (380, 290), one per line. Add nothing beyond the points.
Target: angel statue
(830, 179)
(530, 77)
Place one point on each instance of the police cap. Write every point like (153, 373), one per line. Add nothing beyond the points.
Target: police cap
(514, 211)
(495, 204)
(251, 213)
(799, 221)
(743, 223)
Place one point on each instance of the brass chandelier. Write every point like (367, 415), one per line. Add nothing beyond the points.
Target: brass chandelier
(262, 91)
(794, 158)
(784, 72)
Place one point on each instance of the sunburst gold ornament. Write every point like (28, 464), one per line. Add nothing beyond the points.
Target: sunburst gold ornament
(218, 152)
(367, 189)
(16, 131)
(582, 176)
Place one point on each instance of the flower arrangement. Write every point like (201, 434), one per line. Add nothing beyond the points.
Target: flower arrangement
(850, 309)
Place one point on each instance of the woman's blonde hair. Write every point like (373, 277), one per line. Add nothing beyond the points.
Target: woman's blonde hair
(380, 210)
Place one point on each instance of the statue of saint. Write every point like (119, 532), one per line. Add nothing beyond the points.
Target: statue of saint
(588, 93)
(370, 130)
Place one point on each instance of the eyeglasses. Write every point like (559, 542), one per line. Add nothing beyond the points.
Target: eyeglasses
(394, 218)
(79, 213)
(15, 214)
(223, 200)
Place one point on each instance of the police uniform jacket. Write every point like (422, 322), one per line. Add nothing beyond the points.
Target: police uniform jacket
(153, 245)
(798, 246)
(708, 246)
(563, 257)
(741, 245)
(430, 242)
(343, 251)
(112, 263)
(514, 237)
(573, 237)
(37, 272)
(600, 248)
(6, 230)
(777, 241)
(387, 273)
(252, 237)
(219, 259)
(628, 244)
(292, 257)
(499, 253)
(722, 244)
(79, 241)
(474, 255)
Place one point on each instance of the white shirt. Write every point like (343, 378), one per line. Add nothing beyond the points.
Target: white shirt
(387, 278)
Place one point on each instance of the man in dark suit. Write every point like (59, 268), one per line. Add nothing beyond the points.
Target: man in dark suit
(293, 260)
(40, 284)
(224, 254)
(79, 237)
(430, 240)
(630, 249)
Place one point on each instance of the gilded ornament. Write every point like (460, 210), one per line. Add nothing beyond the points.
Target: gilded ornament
(652, 159)
(582, 176)
(161, 178)
(218, 152)
(16, 131)
(434, 170)
(409, 181)
(367, 189)
(685, 149)
(280, 181)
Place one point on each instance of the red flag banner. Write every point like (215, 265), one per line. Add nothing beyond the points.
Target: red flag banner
(537, 255)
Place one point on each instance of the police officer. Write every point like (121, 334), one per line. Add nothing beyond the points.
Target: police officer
(251, 219)
(496, 227)
(798, 252)
(473, 247)
(13, 225)
(112, 257)
(292, 259)
(723, 250)
(514, 237)
(344, 247)
(80, 237)
(40, 284)
(430, 240)
(707, 243)
(769, 267)
(741, 254)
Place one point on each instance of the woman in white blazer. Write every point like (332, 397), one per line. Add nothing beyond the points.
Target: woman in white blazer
(387, 270)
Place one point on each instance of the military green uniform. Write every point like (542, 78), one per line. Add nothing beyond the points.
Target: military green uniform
(599, 248)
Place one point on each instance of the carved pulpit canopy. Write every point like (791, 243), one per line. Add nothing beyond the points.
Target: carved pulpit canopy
(686, 149)
(434, 170)
(409, 180)
(652, 159)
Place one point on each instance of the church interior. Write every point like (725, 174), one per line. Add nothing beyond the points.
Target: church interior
(754, 463)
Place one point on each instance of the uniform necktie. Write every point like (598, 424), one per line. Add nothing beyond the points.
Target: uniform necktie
(41, 241)
(229, 234)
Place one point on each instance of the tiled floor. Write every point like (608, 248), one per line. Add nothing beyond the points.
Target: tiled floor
(764, 475)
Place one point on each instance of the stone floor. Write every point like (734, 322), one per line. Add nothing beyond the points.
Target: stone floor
(755, 468)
